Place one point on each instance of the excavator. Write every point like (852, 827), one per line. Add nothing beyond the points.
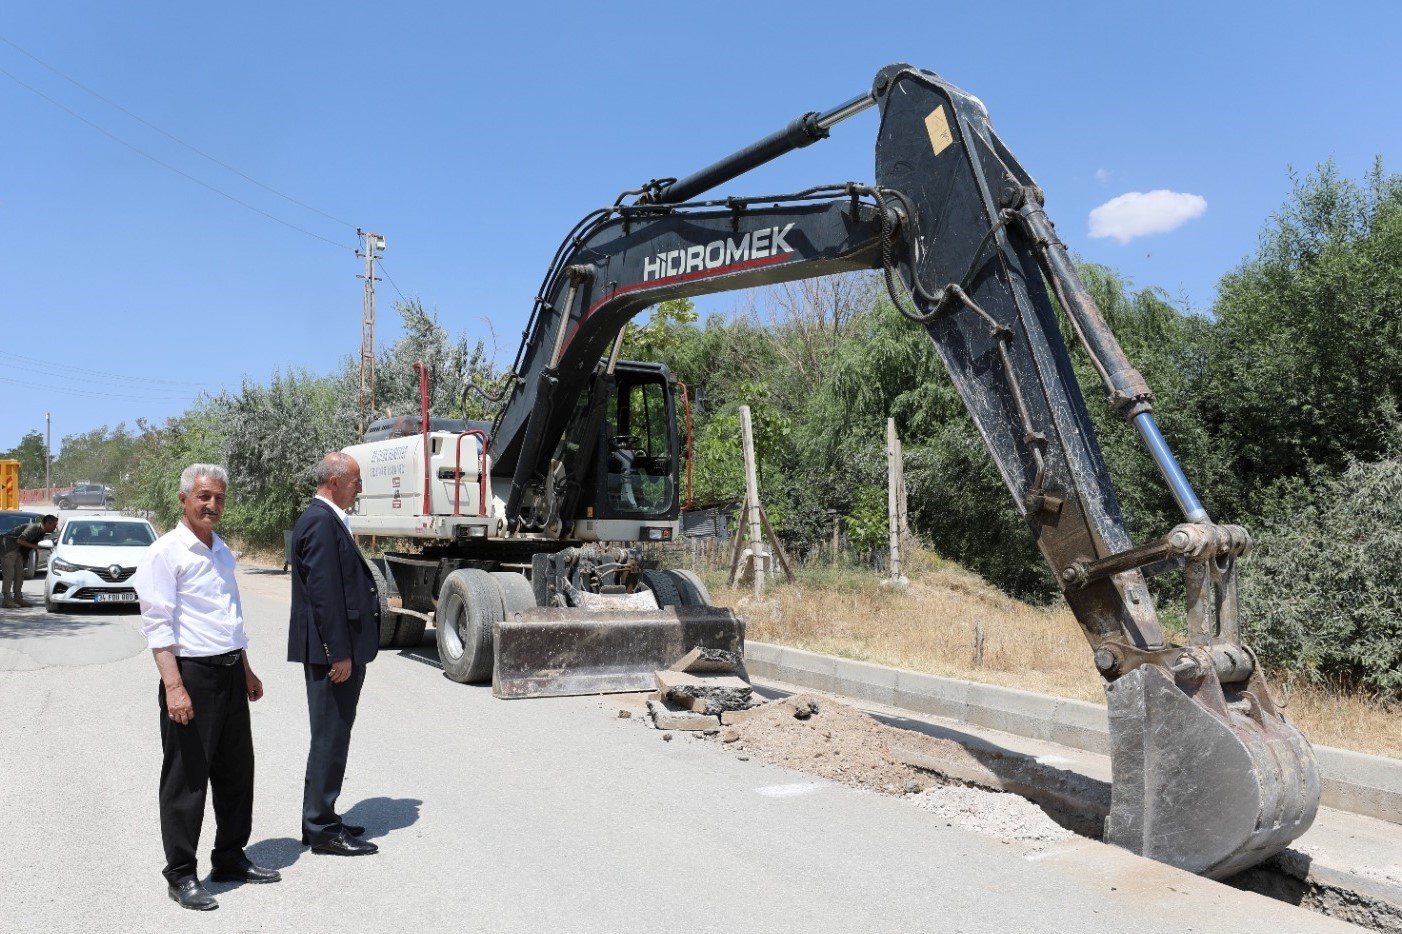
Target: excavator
(528, 529)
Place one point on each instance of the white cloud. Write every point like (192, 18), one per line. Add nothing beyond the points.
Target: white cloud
(1102, 175)
(1140, 213)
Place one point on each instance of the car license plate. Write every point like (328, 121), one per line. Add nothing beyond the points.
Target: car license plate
(114, 598)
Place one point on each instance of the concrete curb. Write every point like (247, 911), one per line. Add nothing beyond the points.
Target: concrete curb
(1349, 781)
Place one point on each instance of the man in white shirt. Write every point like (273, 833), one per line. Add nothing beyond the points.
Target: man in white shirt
(192, 616)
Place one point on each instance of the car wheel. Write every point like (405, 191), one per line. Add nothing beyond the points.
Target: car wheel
(63, 504)
(50, 606)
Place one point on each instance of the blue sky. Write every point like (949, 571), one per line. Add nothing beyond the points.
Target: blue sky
(474, 140)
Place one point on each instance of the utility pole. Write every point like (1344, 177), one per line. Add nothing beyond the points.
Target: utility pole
(374, 244)
(48, 452)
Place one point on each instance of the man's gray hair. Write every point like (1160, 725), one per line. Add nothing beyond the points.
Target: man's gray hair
(194, 472)
(335, 464)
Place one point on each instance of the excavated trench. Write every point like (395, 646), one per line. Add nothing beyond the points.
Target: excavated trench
(1011, 797)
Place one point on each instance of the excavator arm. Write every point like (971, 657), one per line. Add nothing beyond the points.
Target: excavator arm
(1208, 774)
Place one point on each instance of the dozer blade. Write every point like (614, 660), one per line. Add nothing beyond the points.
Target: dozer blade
(552, 652)
(1209, 781)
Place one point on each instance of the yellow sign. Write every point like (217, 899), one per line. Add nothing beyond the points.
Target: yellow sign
(9, 484)
(937, 125)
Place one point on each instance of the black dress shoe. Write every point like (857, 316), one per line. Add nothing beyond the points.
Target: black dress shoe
(188, 893)
(345, 845)
(354, 830)
(245, 872)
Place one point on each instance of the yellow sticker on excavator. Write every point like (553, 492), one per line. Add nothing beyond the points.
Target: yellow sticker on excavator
(937, 125)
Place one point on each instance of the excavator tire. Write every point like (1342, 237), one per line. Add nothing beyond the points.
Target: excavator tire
(397, 630)
(517, 594)
(389, 622)
(664, 587)
(469, 604)
(691, 588)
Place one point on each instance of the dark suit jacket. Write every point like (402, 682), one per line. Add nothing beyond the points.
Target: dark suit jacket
(335, 607)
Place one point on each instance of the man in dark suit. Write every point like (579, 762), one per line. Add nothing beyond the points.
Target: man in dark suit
(334, 632)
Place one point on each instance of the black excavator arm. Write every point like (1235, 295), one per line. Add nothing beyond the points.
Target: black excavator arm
(1208, 775)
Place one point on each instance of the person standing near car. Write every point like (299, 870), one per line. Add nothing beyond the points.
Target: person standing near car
(192, 616)
(334, 631)
(15, 547)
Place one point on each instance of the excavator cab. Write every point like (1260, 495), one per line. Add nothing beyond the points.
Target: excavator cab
(636, 470)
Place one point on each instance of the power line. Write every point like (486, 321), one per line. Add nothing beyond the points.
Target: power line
(171, 136)
(55, 369)
(391, 280)
(203, 184)
(68, 390)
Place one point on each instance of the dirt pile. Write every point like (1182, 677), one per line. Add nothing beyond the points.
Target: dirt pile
(820, 736)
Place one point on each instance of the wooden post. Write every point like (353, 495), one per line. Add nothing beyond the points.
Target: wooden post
(776, 545)
(836, 538)
(757, 554)
(737, 552)
(893, 503)
(902, 512)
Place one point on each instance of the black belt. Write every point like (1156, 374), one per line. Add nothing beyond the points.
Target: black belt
(228, 658)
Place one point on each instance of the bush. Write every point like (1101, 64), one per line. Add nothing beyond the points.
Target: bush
(960, 506)
(1322, 591)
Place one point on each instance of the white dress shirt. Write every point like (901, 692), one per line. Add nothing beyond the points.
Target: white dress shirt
(189, 597)
(345, 516)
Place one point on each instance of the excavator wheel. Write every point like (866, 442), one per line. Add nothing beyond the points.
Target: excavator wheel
(469, 605)
(691, 588)
(517, 594)
(676, 588)
(397, 630)
(664, 588)
(389, 622)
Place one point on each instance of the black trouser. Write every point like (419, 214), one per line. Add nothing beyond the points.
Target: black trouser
(331, 709)
(212, 751)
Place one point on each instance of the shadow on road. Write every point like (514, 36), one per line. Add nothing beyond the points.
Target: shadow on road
(425, 653)
(379, 817)
(34, 622)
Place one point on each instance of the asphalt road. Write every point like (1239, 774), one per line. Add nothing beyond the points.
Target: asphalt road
(534, 816)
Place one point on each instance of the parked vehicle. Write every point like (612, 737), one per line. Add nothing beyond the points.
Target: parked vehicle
(94, 560)
(85, 494)
(13, 518)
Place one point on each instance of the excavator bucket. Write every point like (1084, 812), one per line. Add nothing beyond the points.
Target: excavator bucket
(549, 652)
(1209, 779)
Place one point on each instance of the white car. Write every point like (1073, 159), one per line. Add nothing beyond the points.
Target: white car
(94, 561)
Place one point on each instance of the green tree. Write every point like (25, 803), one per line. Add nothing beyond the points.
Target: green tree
(162, 451)
(869, 521)
(274, 436)
(101, 455)
(1307, 361)
(30, 452)
(452, 365)
(668, 325)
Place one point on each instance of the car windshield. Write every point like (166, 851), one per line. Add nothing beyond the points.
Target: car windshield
(134, 534)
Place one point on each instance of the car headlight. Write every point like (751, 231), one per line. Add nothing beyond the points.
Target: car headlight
(58, 564)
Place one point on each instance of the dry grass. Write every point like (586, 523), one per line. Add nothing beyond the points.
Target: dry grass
(933, 628)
